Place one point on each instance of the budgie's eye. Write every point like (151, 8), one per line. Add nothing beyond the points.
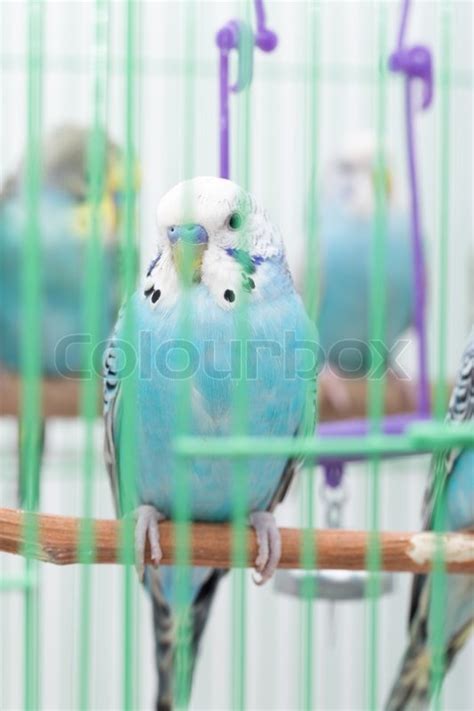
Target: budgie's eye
(236, 221)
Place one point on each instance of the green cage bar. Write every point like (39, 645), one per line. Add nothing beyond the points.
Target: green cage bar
(240, 404)
(437, 613)
(307, 659)
(377, 333)
(128, 439)
(96, 159)
(31, 293)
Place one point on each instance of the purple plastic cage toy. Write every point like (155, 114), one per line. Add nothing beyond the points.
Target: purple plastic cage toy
(238, 35)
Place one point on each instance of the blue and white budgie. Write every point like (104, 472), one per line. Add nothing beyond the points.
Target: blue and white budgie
(65, 219)
(346, 232)
(238, 259)
(452, 484)
(64, 224)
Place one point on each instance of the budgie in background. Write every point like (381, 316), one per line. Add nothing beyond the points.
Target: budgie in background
(65, 219)
(347, 218)
(451, 485)
(237, 258)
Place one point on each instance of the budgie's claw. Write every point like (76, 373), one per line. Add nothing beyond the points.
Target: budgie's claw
(269, 544)
(146, 528)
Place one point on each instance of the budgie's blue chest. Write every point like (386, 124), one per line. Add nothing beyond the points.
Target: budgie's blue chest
(346, 258)
(216, 360)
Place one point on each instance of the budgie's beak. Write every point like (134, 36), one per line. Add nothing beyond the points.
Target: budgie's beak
(107, 215)
(116, 179)
(188, 243)
(387, 182)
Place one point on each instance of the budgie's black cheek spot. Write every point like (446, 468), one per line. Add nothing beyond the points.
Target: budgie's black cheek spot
(229, 295)
(155, 296)
(147, 292)
(251, 283)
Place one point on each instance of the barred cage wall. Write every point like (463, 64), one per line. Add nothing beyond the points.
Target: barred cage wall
(73, 622)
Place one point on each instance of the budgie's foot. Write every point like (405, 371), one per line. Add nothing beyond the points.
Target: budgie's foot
(334, 390)
(146, 529)
(269, 544)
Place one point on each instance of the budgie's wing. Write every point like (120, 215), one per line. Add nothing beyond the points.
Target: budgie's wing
(304, 429)
(112, 392)
(461, 409)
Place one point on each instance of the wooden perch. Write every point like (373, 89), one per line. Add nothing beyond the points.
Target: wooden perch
(211, 545)
(61, 398)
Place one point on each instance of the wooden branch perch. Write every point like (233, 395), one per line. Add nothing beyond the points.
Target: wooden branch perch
(211, 545)
(61, 398)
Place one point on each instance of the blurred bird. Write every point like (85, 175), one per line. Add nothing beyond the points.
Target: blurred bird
(65, 218)
(64, 223)
(451, 487)
(235, 259)
(348, 208)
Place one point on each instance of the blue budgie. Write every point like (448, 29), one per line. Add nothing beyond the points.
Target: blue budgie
(347, 225)
(65, 219)
(452, 484)
(64, 216)
(237, 259)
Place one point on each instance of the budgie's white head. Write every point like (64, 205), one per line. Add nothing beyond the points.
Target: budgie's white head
(351, 177)
(213, 232)
(65, 171)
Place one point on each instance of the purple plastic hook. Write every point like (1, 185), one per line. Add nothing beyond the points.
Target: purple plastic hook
(416, 64)
(265, 39)
(238, 35)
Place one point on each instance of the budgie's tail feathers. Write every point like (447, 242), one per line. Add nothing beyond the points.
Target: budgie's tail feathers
(411, 691)
(167, 629)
